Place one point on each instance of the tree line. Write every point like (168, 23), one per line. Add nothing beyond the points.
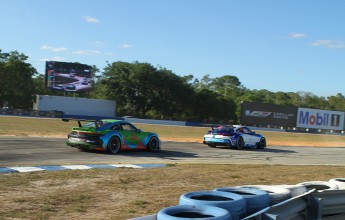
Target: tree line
(145, 91)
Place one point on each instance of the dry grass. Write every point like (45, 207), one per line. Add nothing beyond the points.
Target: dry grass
(127, 193)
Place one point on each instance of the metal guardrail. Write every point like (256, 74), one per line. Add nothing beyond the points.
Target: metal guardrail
(294, 208)
(328, 204)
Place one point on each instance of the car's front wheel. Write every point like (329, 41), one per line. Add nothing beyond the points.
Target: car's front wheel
(262, 143)
(211, 145)
(153, 144)
(114, 145)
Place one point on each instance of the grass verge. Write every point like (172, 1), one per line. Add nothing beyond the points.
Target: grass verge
(127, 193)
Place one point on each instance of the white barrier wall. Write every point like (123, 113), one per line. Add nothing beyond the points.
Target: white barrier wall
(76, 106)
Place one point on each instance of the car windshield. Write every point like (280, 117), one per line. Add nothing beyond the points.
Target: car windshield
(244, 130)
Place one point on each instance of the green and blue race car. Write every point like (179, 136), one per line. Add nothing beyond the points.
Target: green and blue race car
(111, 135)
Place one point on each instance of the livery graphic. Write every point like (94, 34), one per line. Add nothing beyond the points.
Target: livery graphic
(110, 135)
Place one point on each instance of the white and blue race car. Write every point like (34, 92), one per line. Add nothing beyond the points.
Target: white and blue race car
(235, 136)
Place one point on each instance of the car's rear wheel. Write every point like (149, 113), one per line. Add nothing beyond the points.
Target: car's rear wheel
(82, 149)
(262, 143)
(240, 143)
(114, 145)
(153, 144)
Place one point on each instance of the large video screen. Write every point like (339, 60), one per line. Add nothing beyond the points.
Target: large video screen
(68, 77)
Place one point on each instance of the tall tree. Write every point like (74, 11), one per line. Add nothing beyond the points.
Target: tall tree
(16, 83)
(337, 102)
(139, 88)
(228, 86)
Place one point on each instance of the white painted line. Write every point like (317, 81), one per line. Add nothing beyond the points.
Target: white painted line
(76, 167)
(26, 169)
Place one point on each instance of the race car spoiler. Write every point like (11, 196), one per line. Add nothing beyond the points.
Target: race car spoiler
(80, 120)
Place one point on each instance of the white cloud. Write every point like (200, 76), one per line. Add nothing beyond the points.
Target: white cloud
(53, 49)
(126, 46)
(90, 19)
(329, 44)
(56, 58)
(87, 52)
(297, 35)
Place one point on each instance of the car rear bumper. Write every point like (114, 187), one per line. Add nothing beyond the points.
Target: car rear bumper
(218, 142)
(84, 143)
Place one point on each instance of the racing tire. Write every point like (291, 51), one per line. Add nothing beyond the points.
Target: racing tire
(153, 144)
(233, 203)
(340, 182)
(240, 143)
(114, 145)
(82, 149)
(262, 143)
(193, 212)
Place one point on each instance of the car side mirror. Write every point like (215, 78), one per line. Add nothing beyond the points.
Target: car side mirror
(253, 132)
(139, 131)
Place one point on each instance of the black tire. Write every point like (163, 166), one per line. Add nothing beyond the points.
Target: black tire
(82, 149)
(240, 143)
(153, 144)
(262, 143)
(211, 145)
(114, 145)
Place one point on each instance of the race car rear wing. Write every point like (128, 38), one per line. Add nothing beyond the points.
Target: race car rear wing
(80, 120)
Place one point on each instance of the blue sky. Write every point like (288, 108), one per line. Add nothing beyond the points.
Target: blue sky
(287, 45)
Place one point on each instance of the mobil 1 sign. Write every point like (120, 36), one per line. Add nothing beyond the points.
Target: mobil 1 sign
(320, 119)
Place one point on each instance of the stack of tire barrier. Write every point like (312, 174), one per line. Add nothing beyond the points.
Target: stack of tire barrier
(306, 200)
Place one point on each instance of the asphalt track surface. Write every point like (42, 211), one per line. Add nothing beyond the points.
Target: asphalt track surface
(33, 151)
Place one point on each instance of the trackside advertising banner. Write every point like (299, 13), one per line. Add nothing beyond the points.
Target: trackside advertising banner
(256, 113)
(320, 119)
